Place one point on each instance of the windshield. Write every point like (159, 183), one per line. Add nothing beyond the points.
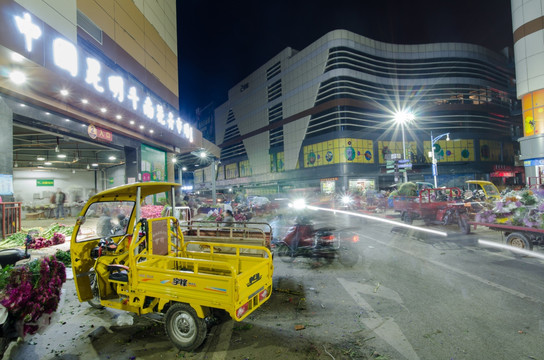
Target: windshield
(490, 190)
(105, 219)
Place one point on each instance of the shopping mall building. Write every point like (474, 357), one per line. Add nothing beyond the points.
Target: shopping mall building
(88, 97)
(323, 118)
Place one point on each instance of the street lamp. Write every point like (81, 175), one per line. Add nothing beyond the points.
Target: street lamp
(403, 117)
(434, 162)
(202, 154)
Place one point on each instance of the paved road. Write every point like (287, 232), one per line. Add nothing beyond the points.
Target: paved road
(413, 295)
(425, 296)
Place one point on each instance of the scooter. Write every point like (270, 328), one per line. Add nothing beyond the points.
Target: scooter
(328, 243)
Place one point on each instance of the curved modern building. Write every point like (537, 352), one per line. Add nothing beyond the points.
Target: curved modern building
(528, 29)
(324, 117)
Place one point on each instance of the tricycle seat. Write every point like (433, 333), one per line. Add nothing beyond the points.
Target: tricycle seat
(118, 272)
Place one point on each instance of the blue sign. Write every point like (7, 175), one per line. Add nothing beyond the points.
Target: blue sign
(533, 162)
(435, 172)
(404, 161)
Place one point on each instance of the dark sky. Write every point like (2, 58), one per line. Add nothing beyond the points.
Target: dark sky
(221, 42)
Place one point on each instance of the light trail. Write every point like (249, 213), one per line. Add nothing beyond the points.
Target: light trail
(387, 221)
(511, 248)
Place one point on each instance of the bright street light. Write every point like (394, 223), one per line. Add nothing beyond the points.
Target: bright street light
(404, 117)
(434, 162)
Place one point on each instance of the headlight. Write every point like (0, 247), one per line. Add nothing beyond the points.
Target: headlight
(298, 204)
(346, 199)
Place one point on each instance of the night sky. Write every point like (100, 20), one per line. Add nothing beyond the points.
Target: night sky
(221, 42)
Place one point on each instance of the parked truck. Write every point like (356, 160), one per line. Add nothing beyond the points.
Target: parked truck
(158, 266)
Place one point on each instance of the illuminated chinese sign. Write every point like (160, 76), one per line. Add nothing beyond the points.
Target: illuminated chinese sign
(63, 56)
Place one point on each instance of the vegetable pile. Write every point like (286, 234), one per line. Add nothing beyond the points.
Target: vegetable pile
(53, 235)
(31, 290)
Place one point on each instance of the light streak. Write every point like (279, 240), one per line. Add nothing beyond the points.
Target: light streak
(387, 221)
(511, 248)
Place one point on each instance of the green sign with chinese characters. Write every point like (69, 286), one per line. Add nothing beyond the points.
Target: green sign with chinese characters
(45, 182)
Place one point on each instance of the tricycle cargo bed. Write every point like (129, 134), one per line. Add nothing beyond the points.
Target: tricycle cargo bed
(259, 234)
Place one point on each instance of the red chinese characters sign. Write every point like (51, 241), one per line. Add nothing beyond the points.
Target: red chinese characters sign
(96, 132)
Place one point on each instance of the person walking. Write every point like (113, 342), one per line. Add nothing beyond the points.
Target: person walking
(60, 199)
(228, 221)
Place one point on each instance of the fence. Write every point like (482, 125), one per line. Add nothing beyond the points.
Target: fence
(10, 213)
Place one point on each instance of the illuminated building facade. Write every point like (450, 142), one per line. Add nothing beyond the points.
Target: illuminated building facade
(527, 23)
(88, 95)
(323, 117)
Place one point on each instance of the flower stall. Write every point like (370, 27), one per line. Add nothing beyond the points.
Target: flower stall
(30, 293)
(519, 215)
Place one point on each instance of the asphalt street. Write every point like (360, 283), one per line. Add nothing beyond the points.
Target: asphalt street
(412, 295)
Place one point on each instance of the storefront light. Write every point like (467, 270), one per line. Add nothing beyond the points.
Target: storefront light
(118, 117)
(131, 122)
(17, 77)
(151, 131)
(112, 158)
(17, 57)
(48, 163)
(84, 101)
(40, 158)
(64, 92)
(103, 110)
(142, 127)
(95, 165)
(61, 156)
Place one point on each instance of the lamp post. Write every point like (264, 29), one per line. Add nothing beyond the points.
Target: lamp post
(403, 117)
(204, 155)
(434, 165)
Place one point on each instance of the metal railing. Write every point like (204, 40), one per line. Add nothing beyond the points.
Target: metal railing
(11, 218)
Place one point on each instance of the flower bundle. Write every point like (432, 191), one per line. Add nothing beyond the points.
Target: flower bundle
(519, 208)
(238, 217)
(41, 242)
(151, 211)
(214, 215)
(33, 290)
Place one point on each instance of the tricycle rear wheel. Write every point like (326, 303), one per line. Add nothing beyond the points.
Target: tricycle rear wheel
(348, 256)
(519, 240)
(184, 328)
(285, 253)
(464, 226)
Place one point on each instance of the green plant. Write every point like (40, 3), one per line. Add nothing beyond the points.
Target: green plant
(64, 257)
(4, 275)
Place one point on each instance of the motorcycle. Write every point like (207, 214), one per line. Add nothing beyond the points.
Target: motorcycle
(302, 239)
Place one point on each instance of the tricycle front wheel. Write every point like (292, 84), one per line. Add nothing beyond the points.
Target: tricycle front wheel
(184, 328)
(95, 302)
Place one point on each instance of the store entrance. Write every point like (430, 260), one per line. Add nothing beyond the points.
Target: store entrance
(45, 162)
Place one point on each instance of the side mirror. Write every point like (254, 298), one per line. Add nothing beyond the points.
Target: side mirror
(80, 220)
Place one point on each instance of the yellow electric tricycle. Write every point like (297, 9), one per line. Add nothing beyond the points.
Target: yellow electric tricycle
(123, 261)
